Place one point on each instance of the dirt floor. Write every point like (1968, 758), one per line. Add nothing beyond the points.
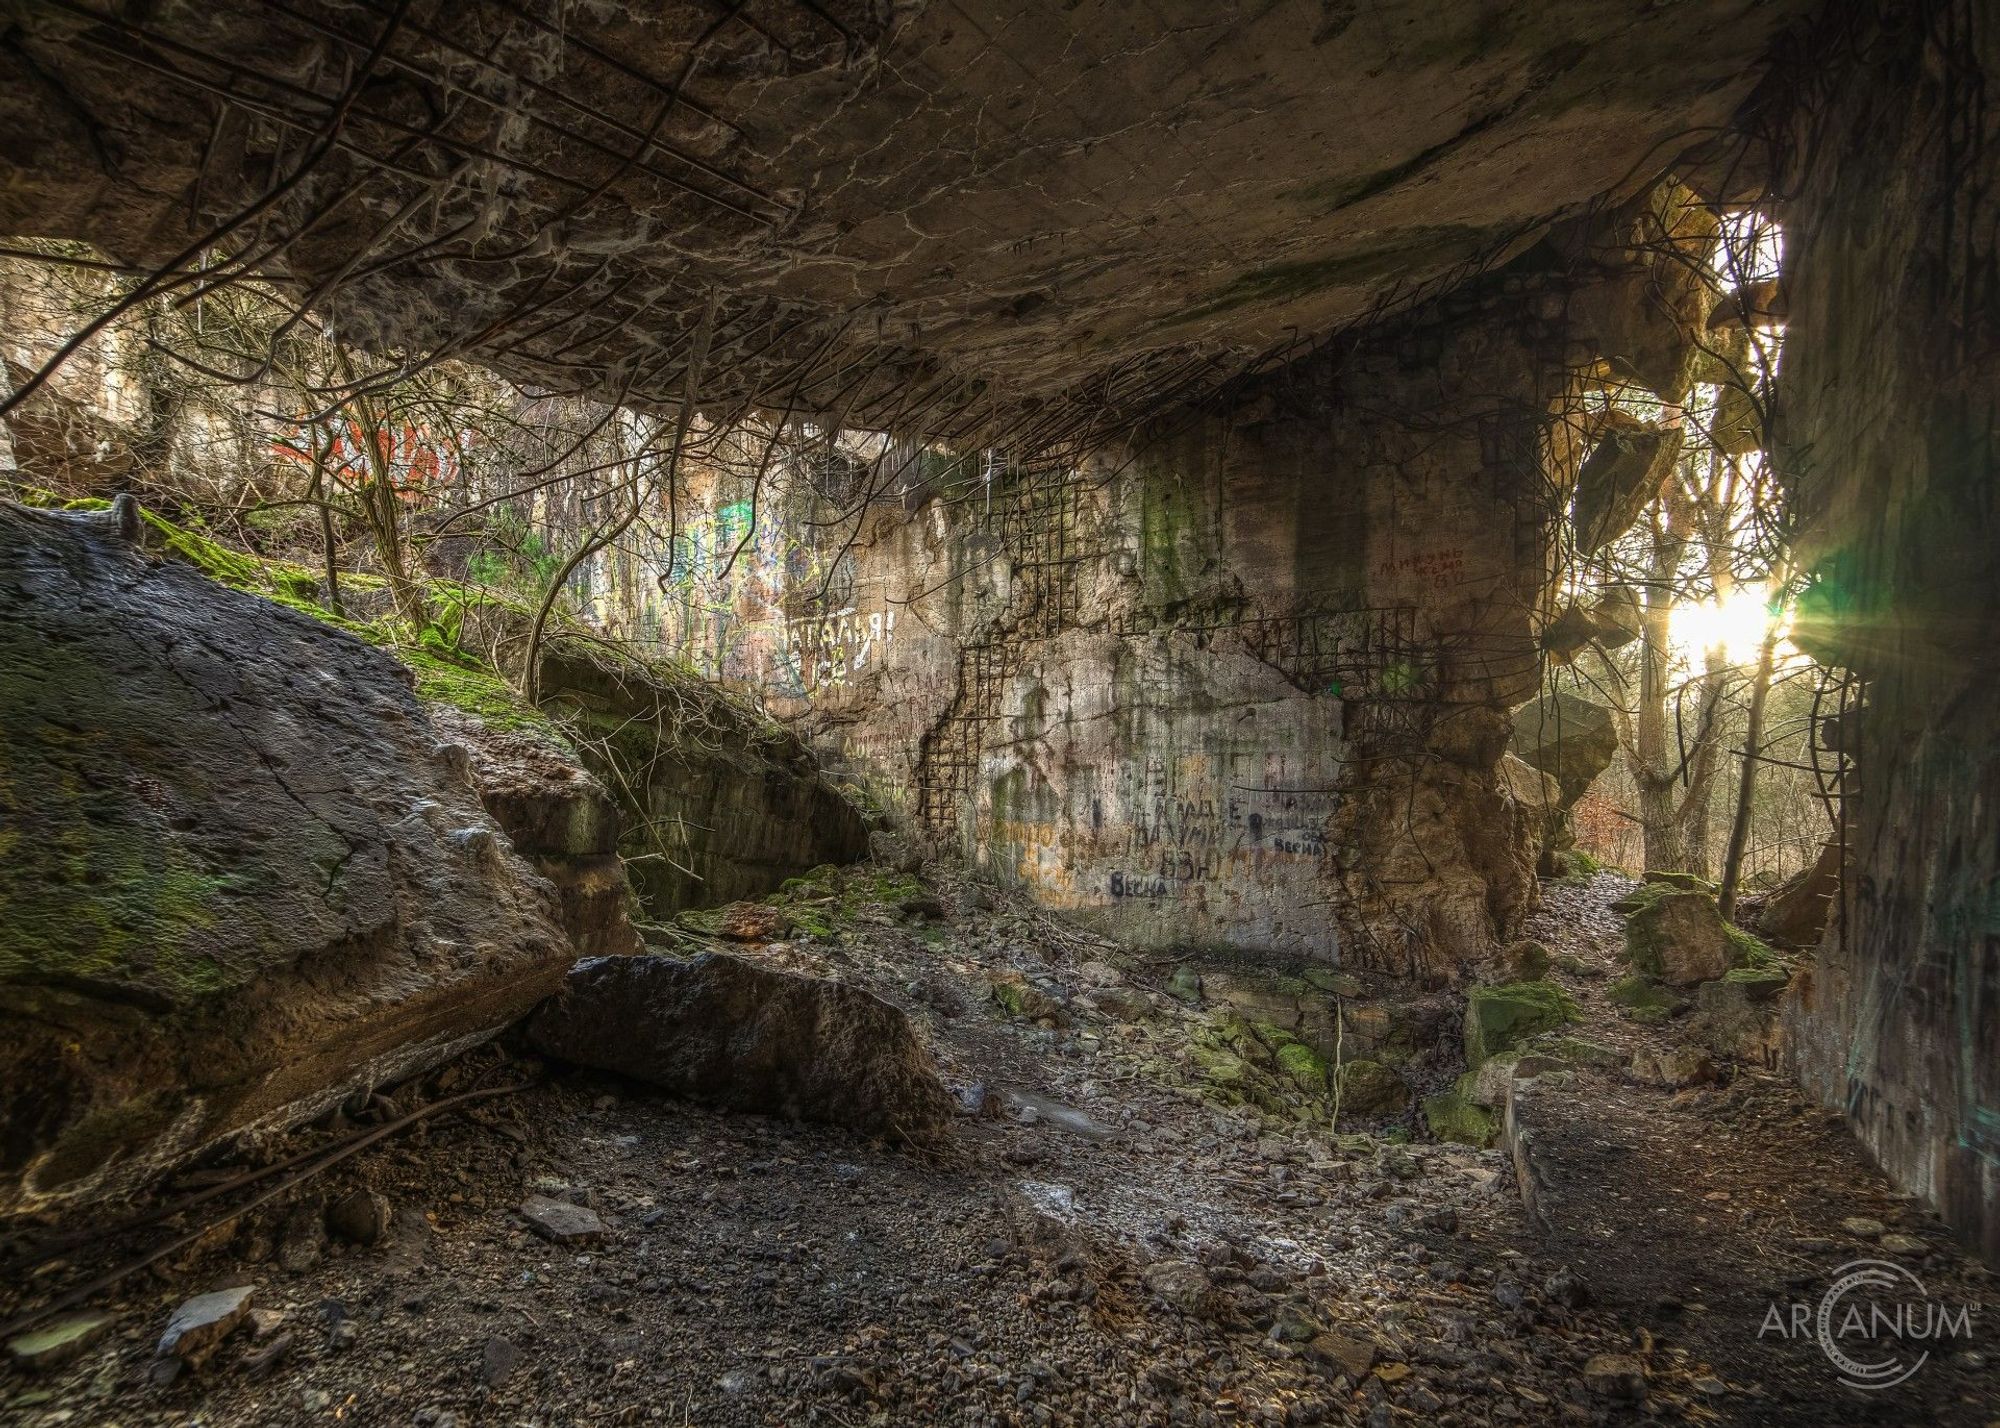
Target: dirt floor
(1102, 1241)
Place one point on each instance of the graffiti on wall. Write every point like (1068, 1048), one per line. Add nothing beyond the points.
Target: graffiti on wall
(729, 602)
(824, 650)
(1187, 822)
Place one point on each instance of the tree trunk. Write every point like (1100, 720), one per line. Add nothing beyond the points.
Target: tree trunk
(1753, 739)
(1652, 770)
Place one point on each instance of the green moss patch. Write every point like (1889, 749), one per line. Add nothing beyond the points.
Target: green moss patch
(1643, 1000)
(1453, 1117)
(1499, 1018)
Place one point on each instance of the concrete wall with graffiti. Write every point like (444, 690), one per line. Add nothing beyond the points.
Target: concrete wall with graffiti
(1161, 689)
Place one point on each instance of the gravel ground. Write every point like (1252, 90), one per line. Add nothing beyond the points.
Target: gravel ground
(1095, 1246)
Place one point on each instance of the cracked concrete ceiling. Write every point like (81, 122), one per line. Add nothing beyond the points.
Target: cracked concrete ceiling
(921, 214)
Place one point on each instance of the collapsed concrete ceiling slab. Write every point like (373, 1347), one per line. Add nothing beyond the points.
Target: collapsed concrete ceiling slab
(914, 214)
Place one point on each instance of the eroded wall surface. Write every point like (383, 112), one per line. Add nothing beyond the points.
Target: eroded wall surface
(1242, 684)
(1892, 419)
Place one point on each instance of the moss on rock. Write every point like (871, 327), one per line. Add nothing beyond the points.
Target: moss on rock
(1643, 1000)
(1498, 1018)
(1305, 1067)
(1368, 1088)
(1453, 1117)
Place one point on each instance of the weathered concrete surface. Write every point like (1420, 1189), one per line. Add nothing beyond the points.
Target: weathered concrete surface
(242, 874)
(983, 198)
(1246, 685)
(1891, 406)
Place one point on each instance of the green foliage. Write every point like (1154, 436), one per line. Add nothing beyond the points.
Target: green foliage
(518, 558)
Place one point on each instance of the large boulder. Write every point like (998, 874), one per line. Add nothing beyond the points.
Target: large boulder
(1566, 737)
(242, 874)
(735, 801)
(747, 1037)
(1678, 937)
(1499, 1018)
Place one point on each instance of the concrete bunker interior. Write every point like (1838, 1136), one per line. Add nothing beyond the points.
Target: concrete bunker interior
(877, 711)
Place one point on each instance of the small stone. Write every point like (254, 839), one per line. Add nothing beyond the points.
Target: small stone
(58, 1343)
(265, 1322)
(1709, 1386)
(303, 1239)
(560, 1221)
(1862, 1227)
(360, 1218)
(342, 1335)
(1352, 1356)
(1566, 1287)
(498, 1361)
(753, 922)
(1615, 1376)
(1178, 1284)
(203, 1322)
(1674, 1069)
(1908, 1246)
(261, 1360)
(316, 1400)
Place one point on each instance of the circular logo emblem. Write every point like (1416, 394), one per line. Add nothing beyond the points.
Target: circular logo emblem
(1853, 1305)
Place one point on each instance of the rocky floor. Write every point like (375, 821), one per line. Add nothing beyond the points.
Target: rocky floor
(1099, 1242)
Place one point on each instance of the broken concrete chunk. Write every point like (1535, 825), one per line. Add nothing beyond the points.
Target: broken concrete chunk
(1368, 1088)
(1620, 477)
(1566, 737)
(57, 1343)
(561, 1222)
(203, 1322)
(1118, 1003)
(750, 1038)
(497, 1361)
(1179, 1284)
(753, 922)
(1456, 1117)
(265, 1322)
(1017, 996)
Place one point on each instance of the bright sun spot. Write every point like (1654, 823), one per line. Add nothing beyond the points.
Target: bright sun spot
(1734, 625)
